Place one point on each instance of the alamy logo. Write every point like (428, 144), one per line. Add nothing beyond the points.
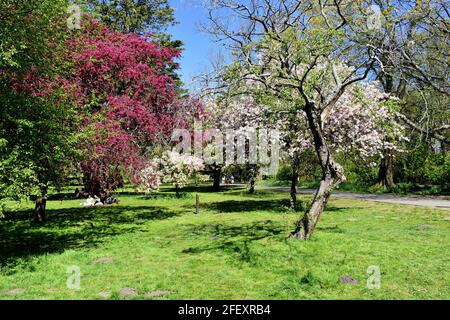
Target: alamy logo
(246, 145)
(374, 280)
(74, 20)
(374, 18)
(74, 278)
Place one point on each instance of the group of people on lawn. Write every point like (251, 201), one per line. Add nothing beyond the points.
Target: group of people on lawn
(94, 200)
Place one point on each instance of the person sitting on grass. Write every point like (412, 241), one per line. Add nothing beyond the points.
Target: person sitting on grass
(111, 200)
(98, 202)
(90, 202)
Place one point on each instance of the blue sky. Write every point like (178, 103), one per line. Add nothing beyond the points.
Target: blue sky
(199, 47)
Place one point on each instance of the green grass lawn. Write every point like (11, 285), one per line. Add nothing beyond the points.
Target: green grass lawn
(237, 248)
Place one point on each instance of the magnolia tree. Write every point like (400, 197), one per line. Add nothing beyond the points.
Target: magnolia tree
(173, 168)
(293, 50)
(360, 123)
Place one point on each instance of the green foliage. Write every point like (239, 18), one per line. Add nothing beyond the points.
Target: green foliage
(24, 24)
(133, 16)
(309, 170)
(424, 166)
(422, 163)
(37, 131)
(356, 172)
(284, 172)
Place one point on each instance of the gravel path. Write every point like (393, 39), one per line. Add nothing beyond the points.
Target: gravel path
(424, 201)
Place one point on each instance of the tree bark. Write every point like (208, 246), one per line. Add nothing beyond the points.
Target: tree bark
(253, 173)
(386, 172)
(333, 175)
(39, 209)
(251, 189)
(294, 180)
(217, 173)
(91, 186)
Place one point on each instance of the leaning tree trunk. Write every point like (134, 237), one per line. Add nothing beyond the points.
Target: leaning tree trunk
(216, 174)
(294, 180)
(333, 175)
(39, 209)
(386, 172)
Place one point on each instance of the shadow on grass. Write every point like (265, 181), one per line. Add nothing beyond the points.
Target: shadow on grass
(331, 209)
(166, 196)
(332, 229)
(235, 240)
(62, 196)
(248, 205)
(69, 228)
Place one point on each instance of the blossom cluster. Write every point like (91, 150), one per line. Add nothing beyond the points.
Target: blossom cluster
(148, 179)
(177, 168)
(361, 121)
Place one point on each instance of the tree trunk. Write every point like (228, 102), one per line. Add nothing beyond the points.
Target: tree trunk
(91, 186)
(386, 172)
(251, 188)
(333, 175)
(217, 172)
(294, 181)
(39, 209)
(253, 173)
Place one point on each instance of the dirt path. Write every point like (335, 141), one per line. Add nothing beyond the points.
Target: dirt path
(424, 201)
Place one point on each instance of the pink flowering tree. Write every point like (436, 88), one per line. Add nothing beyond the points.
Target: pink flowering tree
(127, 101)
(362, 121)
(130, 103)
(357, 124)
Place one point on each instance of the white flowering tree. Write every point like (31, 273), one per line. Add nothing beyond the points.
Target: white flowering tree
(177, 169)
